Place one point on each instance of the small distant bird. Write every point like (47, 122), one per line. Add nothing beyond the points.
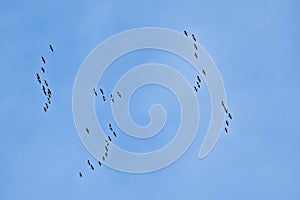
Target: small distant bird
(38, 78)
(92, 167)
(94, 90)
(196, 56)
(99, 163)
(194, 38)
(106, 149)
(106, 154)
(107, 142)
(101, 91)
(226, 130)
(186, 34)
(103, 158)
(51, 47)
(203, 71)
(109, 138)
(198, 78)
(112, 98)
(195, 88)
(119, 94)
(224, 107)
(47, 106)
(46, 83)
(49, 91)
(229, 115)
(104, 99)
(49, 101)
(45, 109)
(227, 123)
(114, 133)
(110, 127)
(43, 69)
(80, 174)
(87, 130)
(89, 163)
(43, 59)
(44, 90)
(195, 46)
(198, 84)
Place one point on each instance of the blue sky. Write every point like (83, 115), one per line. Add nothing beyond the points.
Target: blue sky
(255, 45)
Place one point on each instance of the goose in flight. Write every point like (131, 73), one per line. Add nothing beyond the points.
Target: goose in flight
(51, 47)
(198, 84)
(194, 38)
(101, 91)
(43, 59)
(185, 33)
(195, 46)
(38, 78)
(110, 127)
(227, 123)
(195, 88)
(112, 98)
(119, 94)
(94, 91)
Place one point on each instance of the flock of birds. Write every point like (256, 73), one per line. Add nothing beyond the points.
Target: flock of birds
(106, 147)
(47, 92)
(108, 138)
(45, 85)
(197, 86)
(228, 115)
(103, 96)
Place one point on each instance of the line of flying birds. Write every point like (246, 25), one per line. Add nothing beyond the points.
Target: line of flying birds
(108, 139)
(228, 114)
(106, 147)
(196, 49)
(103, 96)
(45, 85)
(197, 86)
